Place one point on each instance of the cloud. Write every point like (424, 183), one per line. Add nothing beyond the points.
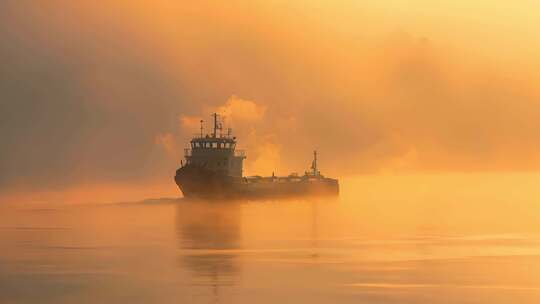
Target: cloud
(265, 156)
(96, 93)
(241, 111)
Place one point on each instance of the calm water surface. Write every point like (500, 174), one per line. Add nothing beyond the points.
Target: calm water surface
(423, 239)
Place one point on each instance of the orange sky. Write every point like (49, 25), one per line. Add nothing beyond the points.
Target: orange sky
(97, 93)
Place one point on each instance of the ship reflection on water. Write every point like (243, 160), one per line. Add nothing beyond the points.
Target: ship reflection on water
(210, 241)
(214, 252)
(209, 234)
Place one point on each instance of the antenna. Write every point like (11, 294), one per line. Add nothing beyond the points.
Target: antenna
(202, 128)
(215, 124)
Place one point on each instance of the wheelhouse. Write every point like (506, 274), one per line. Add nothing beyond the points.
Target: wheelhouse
(216, 152)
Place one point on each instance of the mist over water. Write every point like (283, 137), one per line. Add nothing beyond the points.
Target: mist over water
(386, 239)
(426, 111)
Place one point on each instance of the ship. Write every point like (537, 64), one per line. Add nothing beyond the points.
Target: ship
(213, 169)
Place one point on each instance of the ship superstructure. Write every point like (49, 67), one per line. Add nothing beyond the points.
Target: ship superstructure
(216, 152)
(213, 169)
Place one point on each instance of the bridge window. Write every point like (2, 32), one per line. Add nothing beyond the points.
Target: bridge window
(214, 145)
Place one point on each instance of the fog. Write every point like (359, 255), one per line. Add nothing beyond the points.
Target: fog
(111, 93)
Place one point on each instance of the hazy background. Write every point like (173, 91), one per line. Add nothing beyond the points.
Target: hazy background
(110, 92)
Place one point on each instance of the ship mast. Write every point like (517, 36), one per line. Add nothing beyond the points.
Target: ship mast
(218, 125)
(314, 164)
(215, 124)
(202, 128)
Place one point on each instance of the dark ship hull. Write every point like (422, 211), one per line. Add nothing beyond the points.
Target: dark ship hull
(198, 182)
